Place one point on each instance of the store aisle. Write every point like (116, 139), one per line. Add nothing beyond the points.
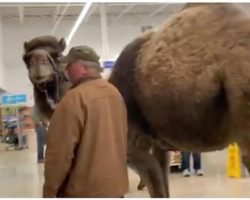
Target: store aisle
(21, 176)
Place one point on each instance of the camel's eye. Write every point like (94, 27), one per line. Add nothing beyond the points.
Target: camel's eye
(43, 60)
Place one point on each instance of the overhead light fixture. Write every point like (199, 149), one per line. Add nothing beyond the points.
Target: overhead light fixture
(78, 21)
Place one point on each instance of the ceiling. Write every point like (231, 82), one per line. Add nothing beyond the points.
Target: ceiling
(51, 10)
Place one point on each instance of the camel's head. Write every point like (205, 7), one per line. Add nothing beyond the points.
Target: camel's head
(41, 58)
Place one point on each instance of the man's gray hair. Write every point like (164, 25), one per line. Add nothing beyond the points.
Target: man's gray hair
(92, 64)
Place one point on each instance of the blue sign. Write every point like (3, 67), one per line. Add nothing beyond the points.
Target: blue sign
(22, 98)
(8, 100)
(108, 64)
(14, 99)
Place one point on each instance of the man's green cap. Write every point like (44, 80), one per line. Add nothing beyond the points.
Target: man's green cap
(84, 53)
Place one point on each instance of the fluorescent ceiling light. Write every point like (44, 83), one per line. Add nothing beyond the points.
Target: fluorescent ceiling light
(78, 21)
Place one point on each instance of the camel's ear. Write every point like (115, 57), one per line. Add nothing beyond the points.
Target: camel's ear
(62, 44)
(26, 46)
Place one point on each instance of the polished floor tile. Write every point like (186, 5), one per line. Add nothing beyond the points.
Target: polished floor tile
(21, 176)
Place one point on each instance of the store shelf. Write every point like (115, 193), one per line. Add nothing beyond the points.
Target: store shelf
(175, 158)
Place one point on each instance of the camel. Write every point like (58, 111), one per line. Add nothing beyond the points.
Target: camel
(49, 81)
(186, 86)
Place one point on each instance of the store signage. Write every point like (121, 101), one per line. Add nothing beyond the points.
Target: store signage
(108, 64)
(14, 99)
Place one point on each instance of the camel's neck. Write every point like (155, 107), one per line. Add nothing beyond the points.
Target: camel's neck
(43, 97)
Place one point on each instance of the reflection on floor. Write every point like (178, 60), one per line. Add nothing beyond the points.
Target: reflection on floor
(21, 176)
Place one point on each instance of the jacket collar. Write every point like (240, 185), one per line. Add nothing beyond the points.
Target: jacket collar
(85, 79)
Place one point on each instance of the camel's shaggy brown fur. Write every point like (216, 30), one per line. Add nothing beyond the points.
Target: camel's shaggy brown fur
(187, 87)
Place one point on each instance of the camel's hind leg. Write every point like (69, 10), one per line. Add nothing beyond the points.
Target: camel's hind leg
(149, 169)
(147, 166)
(246, 162)
(245, 152)
(163, 157)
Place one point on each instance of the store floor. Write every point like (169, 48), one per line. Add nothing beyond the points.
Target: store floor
(21, 176)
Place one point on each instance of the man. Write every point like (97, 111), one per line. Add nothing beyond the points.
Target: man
(23, 135)
(86, 152)
(186, 163)
(40, 128)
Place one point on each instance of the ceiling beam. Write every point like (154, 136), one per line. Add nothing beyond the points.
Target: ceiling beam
(21, 14)
(123, 13)
(104, 31)
(157, 11)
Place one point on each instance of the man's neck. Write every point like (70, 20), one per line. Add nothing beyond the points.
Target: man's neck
(85, 79)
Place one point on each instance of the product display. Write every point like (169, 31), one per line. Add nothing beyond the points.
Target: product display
(16, 121)
(175, 159)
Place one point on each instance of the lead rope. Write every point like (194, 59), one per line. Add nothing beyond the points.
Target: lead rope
(52, 103)
(54, 66)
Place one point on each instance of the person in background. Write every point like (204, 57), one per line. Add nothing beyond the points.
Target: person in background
(21, 129)
(196, 163)
(40, 129)
(86, 154)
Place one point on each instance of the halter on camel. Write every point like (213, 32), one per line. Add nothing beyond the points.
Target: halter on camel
(58, 75)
